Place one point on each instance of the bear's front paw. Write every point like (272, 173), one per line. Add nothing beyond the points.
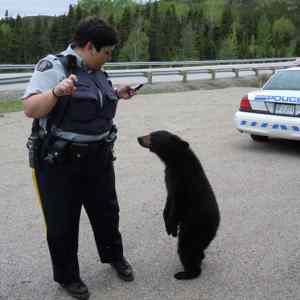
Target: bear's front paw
(165, 215)
(174, 232)
(172, 229)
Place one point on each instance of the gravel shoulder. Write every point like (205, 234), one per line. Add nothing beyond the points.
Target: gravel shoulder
(255, 254)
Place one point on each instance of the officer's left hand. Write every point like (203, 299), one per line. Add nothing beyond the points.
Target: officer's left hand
(126, 92)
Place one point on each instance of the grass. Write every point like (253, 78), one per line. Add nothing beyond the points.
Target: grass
(10, 106)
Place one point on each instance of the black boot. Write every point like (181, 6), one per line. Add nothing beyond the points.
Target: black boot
(123, 269)
(77, 290)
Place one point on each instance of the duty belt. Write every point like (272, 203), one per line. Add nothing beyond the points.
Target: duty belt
(79, 138)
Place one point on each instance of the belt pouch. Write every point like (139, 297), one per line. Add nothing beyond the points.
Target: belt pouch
(78, 150)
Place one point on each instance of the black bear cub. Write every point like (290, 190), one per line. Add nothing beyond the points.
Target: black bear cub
(191, 209)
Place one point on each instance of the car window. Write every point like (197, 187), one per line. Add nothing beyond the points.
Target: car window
(285, 80)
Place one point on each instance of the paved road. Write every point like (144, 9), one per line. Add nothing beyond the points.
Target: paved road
(256, 255)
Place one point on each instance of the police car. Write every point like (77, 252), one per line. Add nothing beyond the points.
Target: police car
(274, 110)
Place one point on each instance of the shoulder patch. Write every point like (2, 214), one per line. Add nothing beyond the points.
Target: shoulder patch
(44, 65)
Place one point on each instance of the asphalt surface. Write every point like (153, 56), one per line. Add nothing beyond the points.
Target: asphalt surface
(256, 254)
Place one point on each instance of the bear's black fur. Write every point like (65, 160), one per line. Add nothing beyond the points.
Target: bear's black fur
(191, 205)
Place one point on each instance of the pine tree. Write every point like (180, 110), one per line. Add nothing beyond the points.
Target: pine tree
(252, 47)
(2, 46)
(229, 48)
(125, 26)
(170, 35)
(17, 40)
(283, 32)
(7, 42)
(188, 43)
(227, 20)
(155, 39)
(59, 34)
(264, 37)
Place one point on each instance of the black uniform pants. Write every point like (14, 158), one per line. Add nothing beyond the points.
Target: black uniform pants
(86, 179)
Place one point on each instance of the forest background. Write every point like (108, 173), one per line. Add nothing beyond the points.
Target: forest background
(164, 30)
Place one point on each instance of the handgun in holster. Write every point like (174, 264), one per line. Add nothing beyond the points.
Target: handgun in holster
(34, 144)
(111, 139)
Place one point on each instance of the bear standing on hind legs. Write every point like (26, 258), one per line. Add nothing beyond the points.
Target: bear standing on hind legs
(191, 205)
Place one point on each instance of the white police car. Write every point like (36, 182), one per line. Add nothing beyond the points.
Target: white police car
(274, 110)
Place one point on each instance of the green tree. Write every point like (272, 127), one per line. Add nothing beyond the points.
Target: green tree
(227, 20)
(124, 26)
(213, 11)
(17, 40)
(2, 44)
(136, 47)
(78, 14)
(188, 43)
(39, 44)
(6, 43)
(283, 33)
(170, 35)
(264, 37)
(173, 28)
(247, 18)
(201, 42)
(59, 34)
(252, 47)
(229, 46)
(155, 36)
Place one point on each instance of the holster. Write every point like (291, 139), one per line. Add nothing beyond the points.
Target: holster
(56, 151)
(34, 144)
(111, 139)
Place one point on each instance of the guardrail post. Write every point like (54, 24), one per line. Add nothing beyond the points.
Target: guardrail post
(148, 75)
(213, 74)
(256, 71)
(273, 70)
(236, 72)
(184, 76)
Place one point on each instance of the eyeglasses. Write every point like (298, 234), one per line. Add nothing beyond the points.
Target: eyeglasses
(108, 50)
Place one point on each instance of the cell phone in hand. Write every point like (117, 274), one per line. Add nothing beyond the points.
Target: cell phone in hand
(137, 87)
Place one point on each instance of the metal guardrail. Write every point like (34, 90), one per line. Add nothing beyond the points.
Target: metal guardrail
(14, 80)
(196, 63)
(183, 71)
(151, 64)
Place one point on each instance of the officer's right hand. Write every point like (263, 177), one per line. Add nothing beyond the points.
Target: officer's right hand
(66, 86)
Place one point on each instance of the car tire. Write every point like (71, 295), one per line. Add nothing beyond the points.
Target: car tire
(259, 138)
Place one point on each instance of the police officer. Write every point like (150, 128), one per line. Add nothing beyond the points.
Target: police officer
(74, 102)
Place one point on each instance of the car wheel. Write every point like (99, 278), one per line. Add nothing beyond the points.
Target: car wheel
(259, 138)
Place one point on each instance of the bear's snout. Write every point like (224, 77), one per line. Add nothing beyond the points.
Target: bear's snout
(144, 141)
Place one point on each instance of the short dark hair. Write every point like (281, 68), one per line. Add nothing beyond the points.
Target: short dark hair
(95, 30)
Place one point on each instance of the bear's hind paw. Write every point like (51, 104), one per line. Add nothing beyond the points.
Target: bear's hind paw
(186, 275)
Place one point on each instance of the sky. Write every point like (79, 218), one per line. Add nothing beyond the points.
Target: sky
(35, 7)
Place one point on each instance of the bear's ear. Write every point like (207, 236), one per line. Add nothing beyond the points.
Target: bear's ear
(181, 143)
(185, 144)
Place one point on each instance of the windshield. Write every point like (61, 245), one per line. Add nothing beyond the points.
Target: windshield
(285, 80)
